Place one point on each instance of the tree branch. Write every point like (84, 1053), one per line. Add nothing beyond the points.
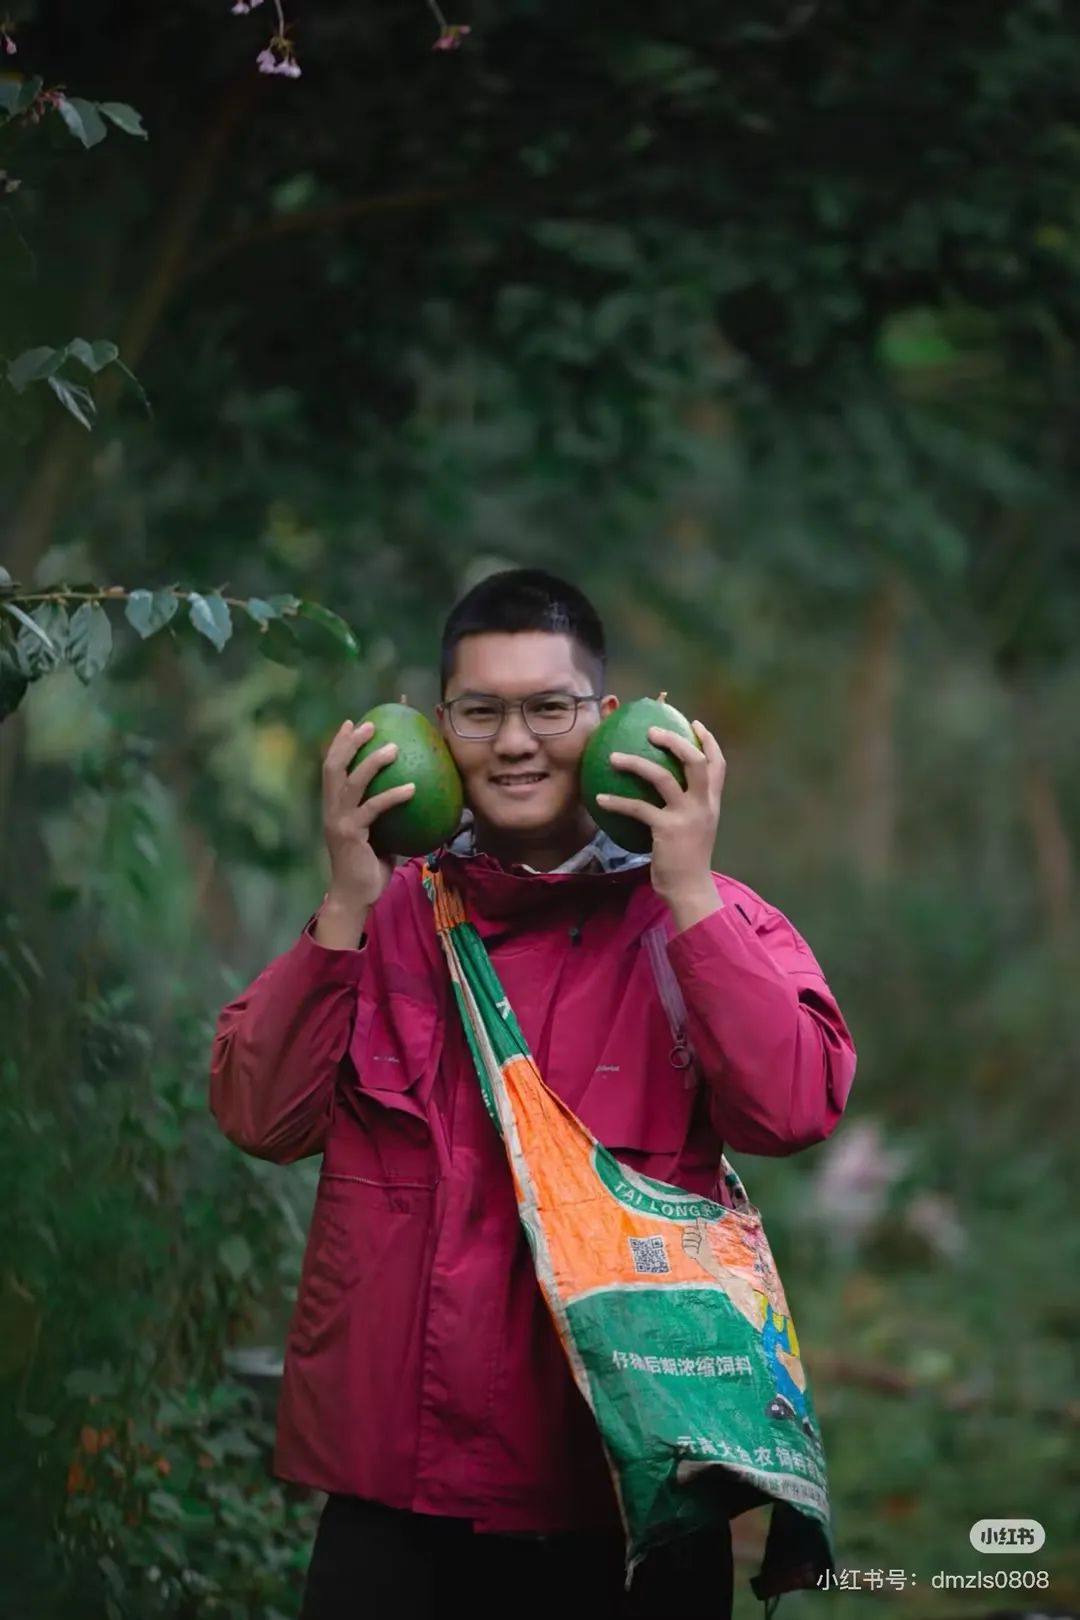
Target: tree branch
(320, 219)
(830, 1367)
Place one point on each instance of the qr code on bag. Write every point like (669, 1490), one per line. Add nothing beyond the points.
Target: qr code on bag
(649, 1255)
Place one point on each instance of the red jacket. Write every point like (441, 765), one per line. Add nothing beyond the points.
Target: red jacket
(421, 1366)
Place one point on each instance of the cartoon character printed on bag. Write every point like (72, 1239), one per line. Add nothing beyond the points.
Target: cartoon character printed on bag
(741, 1263)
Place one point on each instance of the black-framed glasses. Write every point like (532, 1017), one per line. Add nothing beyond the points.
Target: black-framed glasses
(477, 716)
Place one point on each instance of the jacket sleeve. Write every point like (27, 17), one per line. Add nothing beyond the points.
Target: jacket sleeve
(277, 1049)
(768, 1035)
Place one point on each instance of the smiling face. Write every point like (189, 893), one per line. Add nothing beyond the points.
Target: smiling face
(523, 789)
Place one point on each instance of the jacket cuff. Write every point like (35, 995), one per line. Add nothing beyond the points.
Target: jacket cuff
(332, 964)
(725, 931)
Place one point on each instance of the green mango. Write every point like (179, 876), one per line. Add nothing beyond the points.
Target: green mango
(625, 731)
(432, 815)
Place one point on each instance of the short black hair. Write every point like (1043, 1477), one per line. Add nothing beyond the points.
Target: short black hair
(526, 599)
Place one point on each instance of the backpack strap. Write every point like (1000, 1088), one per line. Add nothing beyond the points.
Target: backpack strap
(681, 1056)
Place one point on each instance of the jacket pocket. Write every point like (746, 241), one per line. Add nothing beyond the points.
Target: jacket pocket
(326, 1276)
(361, 1232)
(392, 1046)
(394, 1057)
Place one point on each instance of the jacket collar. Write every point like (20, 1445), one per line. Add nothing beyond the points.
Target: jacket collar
(494, 890)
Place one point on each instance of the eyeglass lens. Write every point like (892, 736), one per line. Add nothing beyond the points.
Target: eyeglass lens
(546, 713)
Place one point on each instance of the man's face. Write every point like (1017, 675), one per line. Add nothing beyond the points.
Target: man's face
(498, 772)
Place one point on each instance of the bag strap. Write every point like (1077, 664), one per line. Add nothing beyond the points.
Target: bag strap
(448, 910)
(682, 1053)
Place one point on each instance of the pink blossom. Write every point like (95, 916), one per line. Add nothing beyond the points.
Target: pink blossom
(451, 37)
(278, 57)
(9, 44)
(241, 8)
(851, 1186)
(933, 1216)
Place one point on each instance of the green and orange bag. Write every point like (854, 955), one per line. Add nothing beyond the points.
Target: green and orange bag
(668, 1306)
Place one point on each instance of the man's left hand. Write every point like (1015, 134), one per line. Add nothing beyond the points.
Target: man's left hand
(684, 826)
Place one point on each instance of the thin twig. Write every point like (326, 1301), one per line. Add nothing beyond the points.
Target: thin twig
(834, 1367)
(115, 593)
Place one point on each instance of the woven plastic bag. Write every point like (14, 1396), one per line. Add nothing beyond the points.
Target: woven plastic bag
(669, 1308)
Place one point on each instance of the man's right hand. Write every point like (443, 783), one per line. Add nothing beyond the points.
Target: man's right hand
(357, 875)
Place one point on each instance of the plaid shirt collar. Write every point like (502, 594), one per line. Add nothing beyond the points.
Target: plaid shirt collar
(600, 854)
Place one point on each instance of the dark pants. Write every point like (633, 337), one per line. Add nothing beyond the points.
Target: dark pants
(377, 1563)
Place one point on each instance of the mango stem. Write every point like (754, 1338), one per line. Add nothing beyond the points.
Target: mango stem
(662, 698)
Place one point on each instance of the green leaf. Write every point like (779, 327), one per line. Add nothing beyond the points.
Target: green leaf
(211, 617)
(149, 611)
(90, 642)
(108, 1566)
(33, 365)
(167, 1133)
(236, 1443)
(29, 91)
(36, 633)
(51, 620)
(76, 399)
(92, 1381)
(5, 577)
(36, 1425)
(9, 94)
(259, 610)
(234, 1253)
(340, 637)
(136, 384)
(83, 120)
(604, 247)
(170, 1546)
(93, 355)
(124, 117)
(164, 1506)
(283, 603)
(278, 643)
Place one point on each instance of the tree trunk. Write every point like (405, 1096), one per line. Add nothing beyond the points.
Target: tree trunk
(65, 449)
(871, 761)
(1051, 845)
(214, 910)
(11, 747)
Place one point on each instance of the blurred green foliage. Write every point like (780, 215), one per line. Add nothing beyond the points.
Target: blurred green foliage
(761, 323)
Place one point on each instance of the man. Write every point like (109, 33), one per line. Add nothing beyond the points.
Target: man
(425, 1389)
